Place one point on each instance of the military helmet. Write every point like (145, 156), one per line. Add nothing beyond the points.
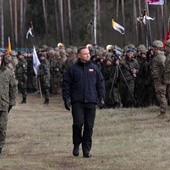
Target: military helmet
(157, 43)
(142, 48)
(168, 42)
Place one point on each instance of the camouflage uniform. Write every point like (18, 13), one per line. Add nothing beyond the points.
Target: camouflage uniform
(7, 100)
(167, 69)
(127, 80)
(44, 76)
(21, 75)
(157, 72)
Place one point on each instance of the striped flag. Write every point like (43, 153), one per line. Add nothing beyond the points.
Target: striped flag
(118, 27)
(9, 46)
(155, 2)
(36, 62)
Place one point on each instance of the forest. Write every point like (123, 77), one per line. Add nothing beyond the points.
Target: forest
(79, 22)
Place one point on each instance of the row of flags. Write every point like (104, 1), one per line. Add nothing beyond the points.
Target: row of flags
(143, 18)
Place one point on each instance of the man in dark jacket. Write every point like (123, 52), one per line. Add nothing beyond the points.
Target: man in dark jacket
(83, 84)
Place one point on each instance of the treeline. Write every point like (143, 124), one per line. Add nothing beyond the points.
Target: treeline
(78, 22)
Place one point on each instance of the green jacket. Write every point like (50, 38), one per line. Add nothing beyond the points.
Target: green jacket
(7, 89)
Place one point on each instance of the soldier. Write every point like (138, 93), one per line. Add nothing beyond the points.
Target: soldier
(7, 99)
(129, 68)
(167, 69)
(44, 76)
(21, 76)
(157, 72)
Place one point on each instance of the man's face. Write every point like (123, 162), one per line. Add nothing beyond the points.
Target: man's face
(84, 55)
(0, 60)
(167, 48)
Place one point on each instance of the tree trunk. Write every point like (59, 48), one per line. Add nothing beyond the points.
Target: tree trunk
(21, 22)
(2, 22)
(45, 18)
(98, 20)
(135, 24)
(70, 23)
(15, 22)
(11, 21)
(61, 19)
(123, 19)
(117, 10)
(95, 23)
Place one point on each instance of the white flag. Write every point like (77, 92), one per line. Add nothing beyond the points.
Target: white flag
(36, 62)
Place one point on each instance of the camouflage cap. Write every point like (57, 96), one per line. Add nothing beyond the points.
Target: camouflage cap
(44, 47)
(69, 50)
(13, 53)
(168, 42)
(157, 43)
(142, 48)
(125, 48)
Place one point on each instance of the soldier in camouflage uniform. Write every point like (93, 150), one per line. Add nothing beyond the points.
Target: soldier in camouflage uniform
(44, 76)
(157, 72)
(55, 71)
(129, 68)
(7, 99)
(21, 76)
(167, 69)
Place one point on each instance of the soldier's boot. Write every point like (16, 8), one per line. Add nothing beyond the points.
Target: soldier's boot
(162, 115)
(1, 153)
(24, 101)
(46, 101)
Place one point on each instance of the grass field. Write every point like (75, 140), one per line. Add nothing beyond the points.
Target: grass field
(40, 138)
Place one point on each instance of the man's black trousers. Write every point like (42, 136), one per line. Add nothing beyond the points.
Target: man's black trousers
(83, 115)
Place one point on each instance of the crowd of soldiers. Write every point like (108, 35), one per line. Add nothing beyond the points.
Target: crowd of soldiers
(128, 72)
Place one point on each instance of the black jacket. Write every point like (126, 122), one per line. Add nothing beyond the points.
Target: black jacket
(83, 82)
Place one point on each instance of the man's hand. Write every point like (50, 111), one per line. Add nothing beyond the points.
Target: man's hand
(101, 104)
(67, 104)
(9, 108)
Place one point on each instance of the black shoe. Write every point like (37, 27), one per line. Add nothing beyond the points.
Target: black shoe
(76, 150)
(1, 153)
(46, 101)
(23, 101)
(87, 155)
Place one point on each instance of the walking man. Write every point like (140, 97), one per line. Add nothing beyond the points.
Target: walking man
(83, 86)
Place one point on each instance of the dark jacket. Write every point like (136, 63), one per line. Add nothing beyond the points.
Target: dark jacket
(83, 82)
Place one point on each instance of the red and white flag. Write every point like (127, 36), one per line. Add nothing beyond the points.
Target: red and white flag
(155, 2)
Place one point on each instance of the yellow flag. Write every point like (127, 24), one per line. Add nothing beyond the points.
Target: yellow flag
(9, 46)
(118, 27)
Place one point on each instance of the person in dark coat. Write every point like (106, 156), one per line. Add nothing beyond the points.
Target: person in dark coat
(83, 87)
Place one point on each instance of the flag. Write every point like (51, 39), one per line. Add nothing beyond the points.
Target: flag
(36, 62)
(118, 27)
(29, 32)
(144, 17)
(167, 37)
(9, 46)
(155, 2)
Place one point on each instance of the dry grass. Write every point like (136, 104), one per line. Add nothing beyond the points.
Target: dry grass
(39, 137)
